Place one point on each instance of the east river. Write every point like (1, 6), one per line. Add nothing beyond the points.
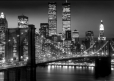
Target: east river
(70, 73)
(59, 73)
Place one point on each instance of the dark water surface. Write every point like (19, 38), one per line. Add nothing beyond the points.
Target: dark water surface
(69, 73)
(54, 73)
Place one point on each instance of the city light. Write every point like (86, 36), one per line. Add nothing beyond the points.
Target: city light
(52, 47)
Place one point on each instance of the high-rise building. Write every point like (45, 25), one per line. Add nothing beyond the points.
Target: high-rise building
(66, 16)
(3, 25)
(22, 21)
(55, 38)
(101, 32)
(75, 36)
(89, 40)
(60, 36)
(44, 29)
(89, 35)
(52, 18)
(68, 35)
(3, 22)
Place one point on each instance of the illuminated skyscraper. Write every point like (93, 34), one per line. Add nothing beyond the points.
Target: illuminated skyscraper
(44, 29)
(66, 16)
(75, 36)
(22, 21)
(101, 32)
(3, 25)
(3, 22)
(52, 18)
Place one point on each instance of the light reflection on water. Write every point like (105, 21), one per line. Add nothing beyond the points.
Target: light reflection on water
(69, 69)
(66, 73)
(1, 76)
(70, 73)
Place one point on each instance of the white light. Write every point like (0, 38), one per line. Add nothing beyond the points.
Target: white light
(17, 35)
(92, 52)
(112, 68)
(9, 40)
(2, 15)
(11, 59)
(97, 53)
(102, 53)
(101, 27)
(3, 60)
(21, 57)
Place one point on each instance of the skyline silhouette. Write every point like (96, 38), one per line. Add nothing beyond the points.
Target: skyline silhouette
(85, 15)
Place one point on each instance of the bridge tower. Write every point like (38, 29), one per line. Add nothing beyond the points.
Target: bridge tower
(16, 37)
(23, 39)
(103, 64)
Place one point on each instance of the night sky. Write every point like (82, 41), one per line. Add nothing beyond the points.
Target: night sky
(85, 15)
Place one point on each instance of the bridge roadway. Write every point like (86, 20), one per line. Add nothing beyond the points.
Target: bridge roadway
(14, 66)
(7, 66)
(72, 58)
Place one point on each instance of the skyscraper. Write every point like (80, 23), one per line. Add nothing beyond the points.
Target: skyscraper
(68, 35)
(89, 40)
(22, 21)
(66, 16)
(89, 35)
(44, 29)
(101, 32)
(52, 18)
(3, 25)
(3, 22)
(75, 36)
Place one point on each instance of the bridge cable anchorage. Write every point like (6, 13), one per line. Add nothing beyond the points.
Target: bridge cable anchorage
(89, 48)
(101, 47)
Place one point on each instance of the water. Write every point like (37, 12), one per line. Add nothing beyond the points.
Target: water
(56, 73)
(69, 73)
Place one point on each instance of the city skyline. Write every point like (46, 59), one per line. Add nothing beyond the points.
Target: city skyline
(85, 15)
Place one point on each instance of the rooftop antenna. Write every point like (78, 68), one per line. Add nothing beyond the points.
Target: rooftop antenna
(101, 21)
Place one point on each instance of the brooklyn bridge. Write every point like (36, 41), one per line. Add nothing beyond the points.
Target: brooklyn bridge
(24, 47)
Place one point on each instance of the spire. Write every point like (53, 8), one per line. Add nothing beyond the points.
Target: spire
(101, 21)
(101, 25)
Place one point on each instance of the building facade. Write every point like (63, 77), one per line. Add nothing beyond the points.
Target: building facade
(68, 35)
(52, 18)
(101, 32)
(3, 26)
(22, 21)
(89, 39)
(44, 29)
(66, 17)
(75, 36)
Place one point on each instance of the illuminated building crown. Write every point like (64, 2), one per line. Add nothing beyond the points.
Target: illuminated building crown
(2, 15)
(101, 25)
